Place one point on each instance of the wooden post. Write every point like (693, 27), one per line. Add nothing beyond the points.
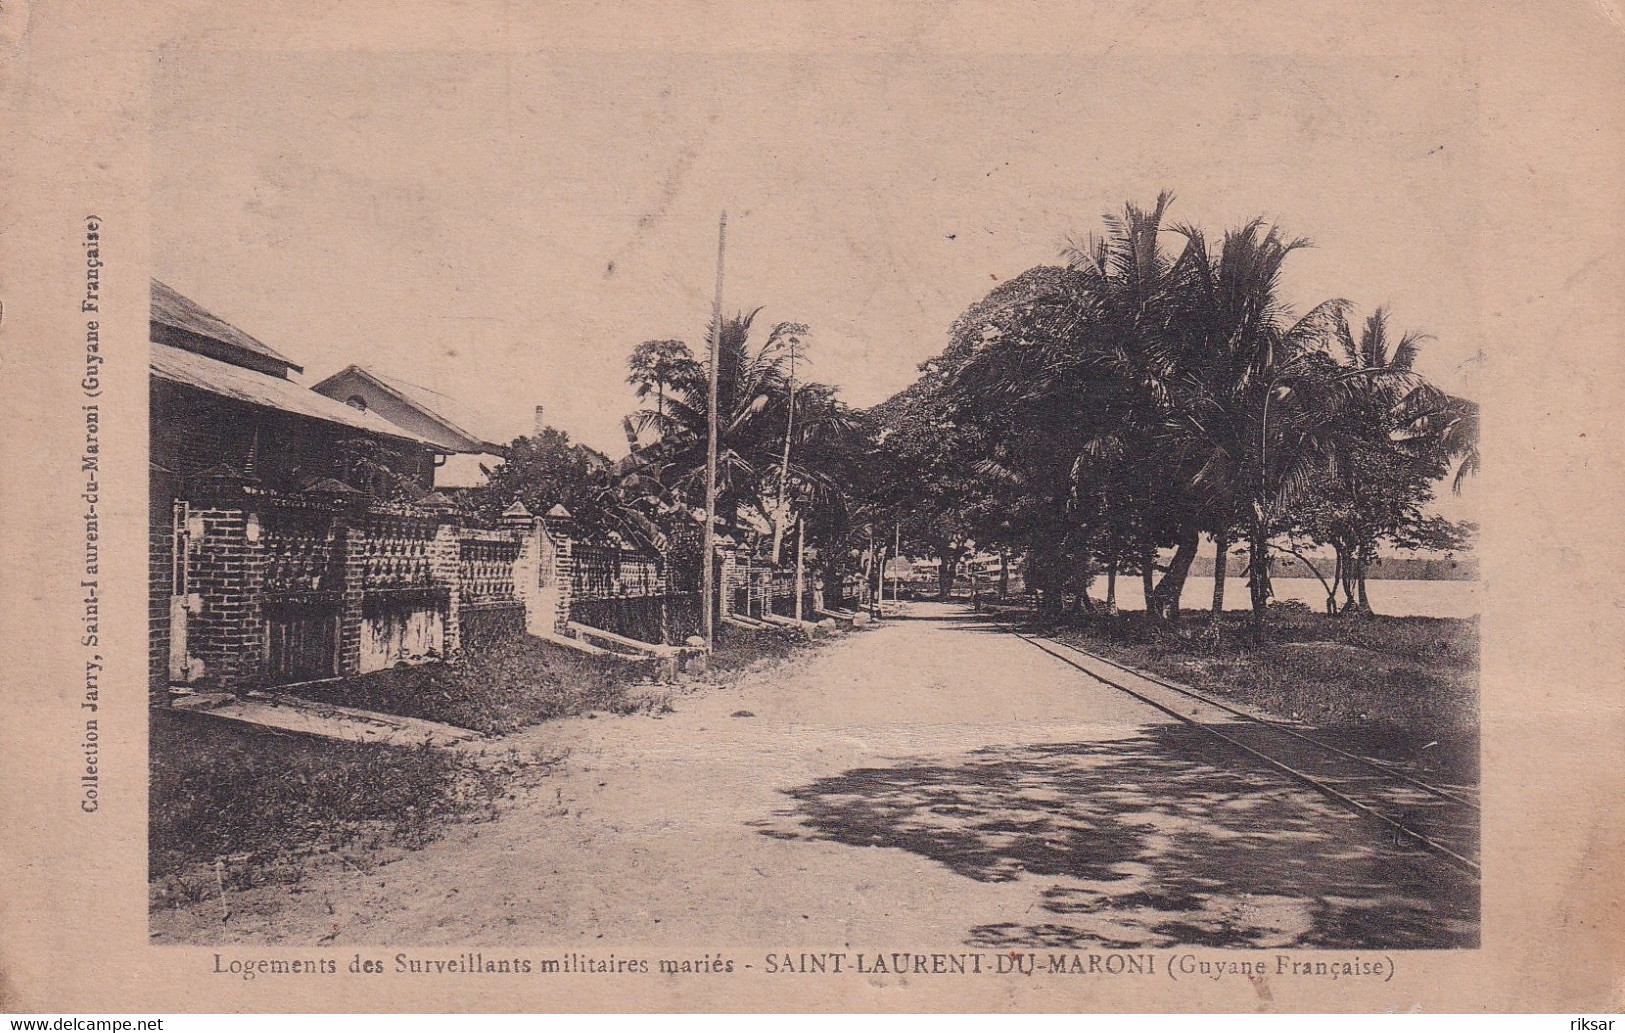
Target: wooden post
(897, 553)
(801, 560)
(709, 548)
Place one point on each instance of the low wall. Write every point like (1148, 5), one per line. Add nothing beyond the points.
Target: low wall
(485, 625)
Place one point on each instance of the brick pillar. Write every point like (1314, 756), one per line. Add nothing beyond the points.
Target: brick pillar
(350, 538)
(527, 566)
(729, 579)
(560, 528)
(227, 633)
(445, 572)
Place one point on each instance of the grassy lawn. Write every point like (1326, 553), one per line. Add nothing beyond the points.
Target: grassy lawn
(740, 648)
(261, 803)
(1408, 684)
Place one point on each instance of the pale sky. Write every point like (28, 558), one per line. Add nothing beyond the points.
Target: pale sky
(505, 228)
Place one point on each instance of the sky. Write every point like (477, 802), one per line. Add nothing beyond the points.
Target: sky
(505, 228)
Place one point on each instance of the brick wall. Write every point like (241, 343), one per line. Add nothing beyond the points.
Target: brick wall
(160, 559)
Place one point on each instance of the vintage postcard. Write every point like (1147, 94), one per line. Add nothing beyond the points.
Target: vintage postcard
(794, 507)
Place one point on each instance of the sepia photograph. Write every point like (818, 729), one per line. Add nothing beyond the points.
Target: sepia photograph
(605, 501)
(794, 508)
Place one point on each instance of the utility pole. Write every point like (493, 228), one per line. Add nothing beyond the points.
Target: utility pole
(783, 508)
(897, 552)
(801, 561)
(710, 547)
(872, 576)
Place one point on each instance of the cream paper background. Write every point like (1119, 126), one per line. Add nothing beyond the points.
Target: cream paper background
(1545, 246)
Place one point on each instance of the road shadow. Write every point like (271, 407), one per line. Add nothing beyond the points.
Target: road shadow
(1162, 839)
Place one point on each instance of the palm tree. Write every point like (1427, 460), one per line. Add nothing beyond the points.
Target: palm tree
(1252, 390)
(753, 411)
(1371, 480)
(1444, 424)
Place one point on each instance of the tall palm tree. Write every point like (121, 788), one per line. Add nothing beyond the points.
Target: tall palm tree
(1371, 479)
(1251, 396)
(753, 410)
(1445, 425)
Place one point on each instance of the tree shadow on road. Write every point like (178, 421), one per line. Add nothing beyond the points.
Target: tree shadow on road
(1165, 838)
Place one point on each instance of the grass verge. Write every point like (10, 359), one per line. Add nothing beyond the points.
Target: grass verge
(1407, 685)
(509, 686)
(233, 806)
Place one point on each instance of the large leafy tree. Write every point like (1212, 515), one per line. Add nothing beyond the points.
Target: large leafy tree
(925, 485)
(547, 469)
(657, 366)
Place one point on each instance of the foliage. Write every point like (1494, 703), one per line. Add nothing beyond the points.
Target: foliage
(497, 690)
(1409, 681)
(1124, 404)
(547, 469)
(786, 447)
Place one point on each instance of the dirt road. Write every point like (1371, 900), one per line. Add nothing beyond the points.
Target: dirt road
(931, 781)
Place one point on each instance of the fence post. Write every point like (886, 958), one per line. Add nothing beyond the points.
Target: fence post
(445, 566)
(350, 537)
(560, 528)
(728, 583)
(527, 566)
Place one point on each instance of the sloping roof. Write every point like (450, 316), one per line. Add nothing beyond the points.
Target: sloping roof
(172, 309)
(244, 385)
(441, 409)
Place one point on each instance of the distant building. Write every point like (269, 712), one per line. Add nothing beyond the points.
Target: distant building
(425, 412)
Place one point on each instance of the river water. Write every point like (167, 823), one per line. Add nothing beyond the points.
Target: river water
(1391, 598)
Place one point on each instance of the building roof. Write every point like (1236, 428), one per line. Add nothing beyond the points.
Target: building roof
(173, 310)
(443, 410)
(249, 387)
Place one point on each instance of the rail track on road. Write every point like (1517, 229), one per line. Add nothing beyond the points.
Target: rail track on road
(1441, 820)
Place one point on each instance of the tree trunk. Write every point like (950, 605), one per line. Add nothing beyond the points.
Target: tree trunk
(1347, 561)
(1221, 566)
(1258, 577)
(1111, 585)
(1337, 579)
(1004, 574)
(946, 557)
(1165, 598)
(1148, 574)
(1365, 603)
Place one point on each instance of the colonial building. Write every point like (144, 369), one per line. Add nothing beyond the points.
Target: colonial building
(294, 537)
(222, 399)
(428, 413)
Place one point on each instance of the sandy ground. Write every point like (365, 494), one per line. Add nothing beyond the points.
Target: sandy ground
(931, 781)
